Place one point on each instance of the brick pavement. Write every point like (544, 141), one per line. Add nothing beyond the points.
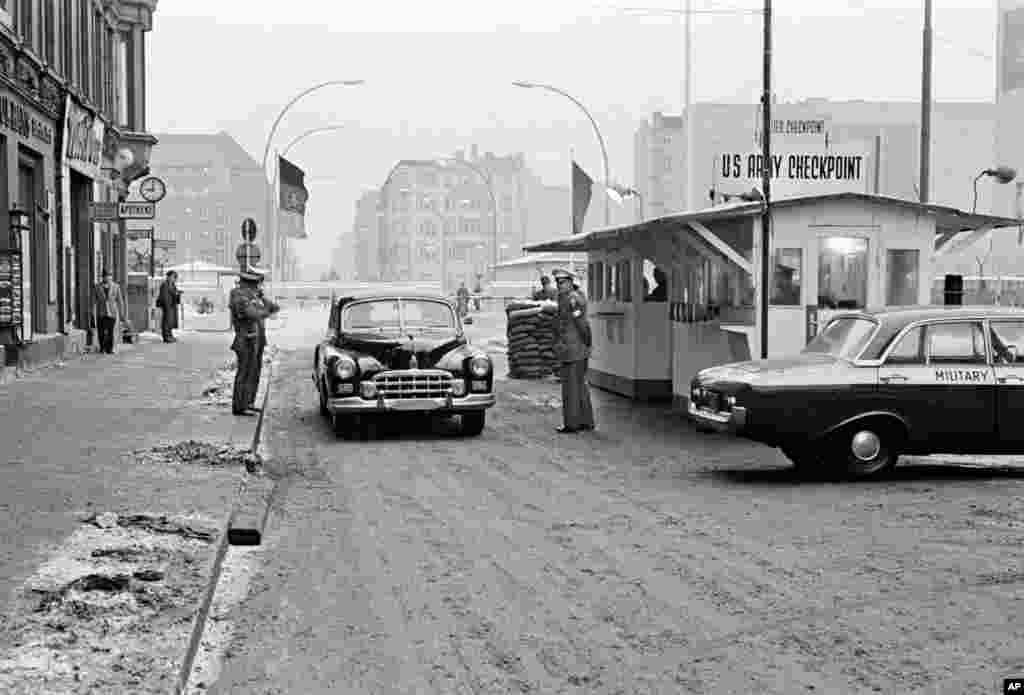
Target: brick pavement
(65, 431)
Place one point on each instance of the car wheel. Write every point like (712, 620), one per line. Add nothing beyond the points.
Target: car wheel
(866, 449)
(322, 391)
(473, 423)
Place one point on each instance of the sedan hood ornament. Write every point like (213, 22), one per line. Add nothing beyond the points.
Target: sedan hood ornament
(413, 362)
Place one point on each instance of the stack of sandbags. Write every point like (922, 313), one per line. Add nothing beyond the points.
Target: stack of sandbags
(531, 334)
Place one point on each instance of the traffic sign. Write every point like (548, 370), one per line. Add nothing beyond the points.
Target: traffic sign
(103, 212)
(249, 229)
(136, 211)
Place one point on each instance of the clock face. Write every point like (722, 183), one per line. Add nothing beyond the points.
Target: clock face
(153, 189)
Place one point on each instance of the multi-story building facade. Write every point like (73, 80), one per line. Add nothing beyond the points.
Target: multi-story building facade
(458, 195)
(362, 245)
(72, 132)
(887, 133)
(212, 185)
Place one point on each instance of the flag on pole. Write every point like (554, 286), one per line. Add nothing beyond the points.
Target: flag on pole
(581, 191)
(292, 199)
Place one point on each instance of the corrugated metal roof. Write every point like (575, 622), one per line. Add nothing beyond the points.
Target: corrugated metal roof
(948, 220)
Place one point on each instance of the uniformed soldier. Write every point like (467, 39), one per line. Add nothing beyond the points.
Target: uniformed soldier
(248, 312)
(572, 349)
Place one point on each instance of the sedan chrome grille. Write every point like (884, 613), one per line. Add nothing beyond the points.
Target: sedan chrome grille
(413, 383)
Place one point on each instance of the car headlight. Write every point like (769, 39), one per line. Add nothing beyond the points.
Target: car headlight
(480, 366)
(345, 367)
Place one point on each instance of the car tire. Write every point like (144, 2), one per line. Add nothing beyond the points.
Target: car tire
(472, 423)
(322, 392)
(865, 449)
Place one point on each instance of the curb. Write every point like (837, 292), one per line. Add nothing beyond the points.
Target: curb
(217, 565)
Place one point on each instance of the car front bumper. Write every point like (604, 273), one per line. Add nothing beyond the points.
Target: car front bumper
(443, 405)
(733, 422)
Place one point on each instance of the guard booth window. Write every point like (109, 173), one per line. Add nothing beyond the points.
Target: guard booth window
(655, 283)
(788, 277)
(843, 273)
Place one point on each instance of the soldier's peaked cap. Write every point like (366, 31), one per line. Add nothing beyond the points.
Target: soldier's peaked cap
(562, 274)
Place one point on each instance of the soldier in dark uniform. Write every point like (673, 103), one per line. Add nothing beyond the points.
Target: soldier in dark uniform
(272, 308)
(248, 312)
(572, 349)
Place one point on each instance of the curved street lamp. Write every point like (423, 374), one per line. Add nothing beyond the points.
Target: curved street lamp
(1000, 174)
(297, 139)
(597, 131)
(270, 138)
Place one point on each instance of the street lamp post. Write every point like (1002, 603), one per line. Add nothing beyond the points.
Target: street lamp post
(1000, 174)
(272, 241)
(597, 131)
(297, 139)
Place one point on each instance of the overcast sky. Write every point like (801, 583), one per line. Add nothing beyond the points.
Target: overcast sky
(438, 75)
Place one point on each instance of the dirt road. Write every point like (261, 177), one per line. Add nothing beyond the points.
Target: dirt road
(643, 558)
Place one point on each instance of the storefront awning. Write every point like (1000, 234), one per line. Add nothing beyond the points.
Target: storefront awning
(950, 223)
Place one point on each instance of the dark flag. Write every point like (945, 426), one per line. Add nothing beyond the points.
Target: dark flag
(293, 199)
(581, 189)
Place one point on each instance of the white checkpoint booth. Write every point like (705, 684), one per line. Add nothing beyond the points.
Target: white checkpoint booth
(829, 253)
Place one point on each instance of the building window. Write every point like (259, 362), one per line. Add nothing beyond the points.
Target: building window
(82, 32)
(623, 269)
(25, 21)
(843, 273)
(788, 277)
(902, 268)
(98, 59)
(49, 32)
(67, 40)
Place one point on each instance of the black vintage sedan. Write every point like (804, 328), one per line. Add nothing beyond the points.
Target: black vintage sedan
(873, 385)
(400, 353)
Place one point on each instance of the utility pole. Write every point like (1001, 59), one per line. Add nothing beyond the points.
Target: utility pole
(926, 102)
(766, 176)
(689, 199)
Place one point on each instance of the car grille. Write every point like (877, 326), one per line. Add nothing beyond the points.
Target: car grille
(413, 383)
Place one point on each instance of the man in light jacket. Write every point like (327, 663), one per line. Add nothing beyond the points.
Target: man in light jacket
(110, 308)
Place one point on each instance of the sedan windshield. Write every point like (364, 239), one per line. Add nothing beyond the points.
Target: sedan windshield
(844, 338)
(392, 315)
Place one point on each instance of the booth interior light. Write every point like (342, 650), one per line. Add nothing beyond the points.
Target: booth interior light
(846, 246)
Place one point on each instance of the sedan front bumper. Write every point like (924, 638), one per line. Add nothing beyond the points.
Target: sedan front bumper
(442, 405)
(732, 422)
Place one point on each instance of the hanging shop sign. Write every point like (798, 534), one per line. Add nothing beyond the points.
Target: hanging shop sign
(20, 119)
(802, 171)
(84, 140)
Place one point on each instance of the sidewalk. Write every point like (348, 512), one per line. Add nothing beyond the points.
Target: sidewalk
(68, 432)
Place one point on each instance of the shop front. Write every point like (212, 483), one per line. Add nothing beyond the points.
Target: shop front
(81, 177)
(29, 275)
(674, 295)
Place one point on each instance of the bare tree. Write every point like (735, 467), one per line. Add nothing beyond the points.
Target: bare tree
(981, 261)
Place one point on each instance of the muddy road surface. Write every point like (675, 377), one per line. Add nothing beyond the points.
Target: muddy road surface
(643, 558)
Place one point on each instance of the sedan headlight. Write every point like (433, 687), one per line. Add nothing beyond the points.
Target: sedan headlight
(480, 366)
(345, 368)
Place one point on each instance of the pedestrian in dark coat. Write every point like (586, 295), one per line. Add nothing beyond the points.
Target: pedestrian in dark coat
(572, 348)
(248, 311)
(110, 308)
(168, 300)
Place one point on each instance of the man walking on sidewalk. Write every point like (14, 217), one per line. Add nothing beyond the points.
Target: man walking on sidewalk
(109, 302)
(248, 311)
(572, 349)
(168, 299)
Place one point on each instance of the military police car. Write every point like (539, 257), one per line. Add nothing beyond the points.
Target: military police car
(876, 384)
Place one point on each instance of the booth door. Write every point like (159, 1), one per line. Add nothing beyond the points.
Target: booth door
(677, 295)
